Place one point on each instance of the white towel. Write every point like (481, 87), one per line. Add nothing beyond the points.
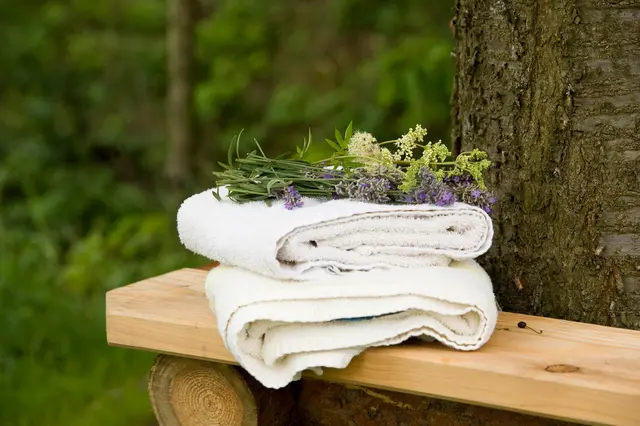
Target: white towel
(329, 237)
(276, 329)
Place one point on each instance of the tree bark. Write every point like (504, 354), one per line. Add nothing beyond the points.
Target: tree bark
(551, 90)
(181, 15)
(324, 403)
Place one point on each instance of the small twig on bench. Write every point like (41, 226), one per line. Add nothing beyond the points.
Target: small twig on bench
(523, 324)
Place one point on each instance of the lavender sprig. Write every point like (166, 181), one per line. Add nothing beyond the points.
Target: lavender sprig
(467, 191)
(430, 190)
(371, 189)
(292, 198)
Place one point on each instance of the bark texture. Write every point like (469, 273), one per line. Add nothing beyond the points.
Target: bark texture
(181, 15)
(328, 404)
(551, 90)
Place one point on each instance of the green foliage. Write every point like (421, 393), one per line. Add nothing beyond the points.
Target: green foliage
(277, 68)
(233, 47)
(79, 120)
(82, 204)
(56, 367)
(474, 163)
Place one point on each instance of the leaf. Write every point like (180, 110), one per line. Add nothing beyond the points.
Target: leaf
(230, 152)
(238, 144)
(349, 132)
(259, 147)
(309, 142)
(279, 182)
(283, 155)
(216, 194)
(333, 145)
(343, 143)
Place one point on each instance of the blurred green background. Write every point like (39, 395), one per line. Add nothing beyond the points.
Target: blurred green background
(84, 204)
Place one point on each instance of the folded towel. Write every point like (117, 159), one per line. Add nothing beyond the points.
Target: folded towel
(329, 237)
(276, 329)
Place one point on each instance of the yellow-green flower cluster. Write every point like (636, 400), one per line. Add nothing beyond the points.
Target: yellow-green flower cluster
(364, 146)
(368, 152)
(432, 154)
(410, 176)
(473, 162)
(408, 142)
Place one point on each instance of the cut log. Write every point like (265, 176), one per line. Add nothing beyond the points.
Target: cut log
(553, 368)
(189, 392)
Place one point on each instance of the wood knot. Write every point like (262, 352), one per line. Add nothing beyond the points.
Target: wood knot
(562, 368)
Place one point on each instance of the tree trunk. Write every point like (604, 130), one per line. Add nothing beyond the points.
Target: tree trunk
(180, 125)
(323, 403)
(551, 90)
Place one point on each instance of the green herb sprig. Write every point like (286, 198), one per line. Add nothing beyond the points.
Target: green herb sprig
(361, 168)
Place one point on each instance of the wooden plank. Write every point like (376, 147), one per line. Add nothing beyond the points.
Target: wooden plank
(573, 371)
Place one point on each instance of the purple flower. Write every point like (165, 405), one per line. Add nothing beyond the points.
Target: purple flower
(463, 179)
(445, 198)
(292, 198)
(365, 186)
(427, 189)
(427, 178)
(467, 191)
(491, 200)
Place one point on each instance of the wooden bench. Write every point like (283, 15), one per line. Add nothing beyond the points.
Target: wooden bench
(550, 368)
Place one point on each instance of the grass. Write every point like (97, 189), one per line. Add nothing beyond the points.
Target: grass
(55, 365)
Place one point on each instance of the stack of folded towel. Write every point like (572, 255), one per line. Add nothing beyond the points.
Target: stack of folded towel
(313, 287)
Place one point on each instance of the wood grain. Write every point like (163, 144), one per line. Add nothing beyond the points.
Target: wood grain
(190, 392)
(573, 371)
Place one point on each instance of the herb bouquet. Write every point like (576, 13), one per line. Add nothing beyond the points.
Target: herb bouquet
(361, 168)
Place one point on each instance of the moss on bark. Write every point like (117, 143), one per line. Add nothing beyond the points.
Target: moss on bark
(551, 90)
